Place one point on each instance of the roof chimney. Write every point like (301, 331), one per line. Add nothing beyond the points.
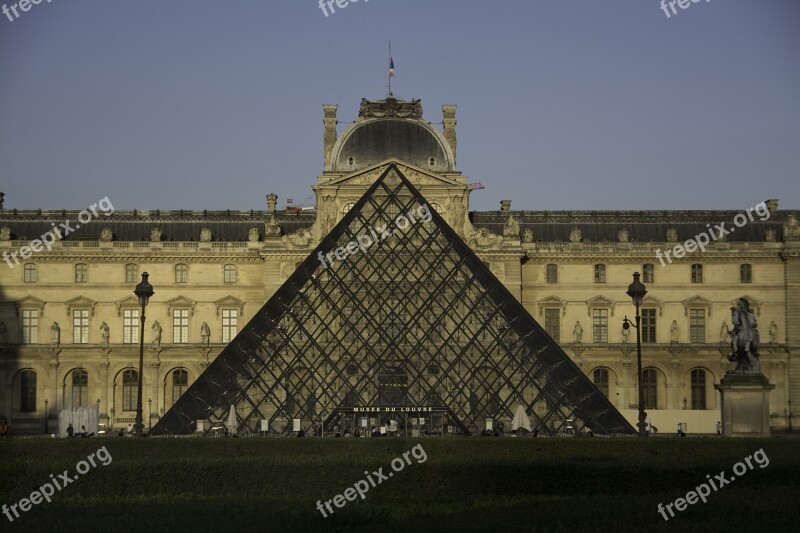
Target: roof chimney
(330, 132)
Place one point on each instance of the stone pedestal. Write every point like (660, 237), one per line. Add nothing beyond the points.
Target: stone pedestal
(745, 404)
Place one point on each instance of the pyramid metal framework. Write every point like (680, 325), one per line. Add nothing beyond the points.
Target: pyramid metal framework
(405, 324)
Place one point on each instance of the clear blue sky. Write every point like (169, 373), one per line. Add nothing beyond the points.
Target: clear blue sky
(579, 104)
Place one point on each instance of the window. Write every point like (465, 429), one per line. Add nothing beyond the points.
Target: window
(697, 326)
(180, 326)
(180, 382)
(351, 161)
(600, 325)
(648, 325)
(746, 273)
(698, 389)
(27, 391)
(130, 384)
(80, 326)
(697, 273)
(30, 326)
(347, 207)
(230, 324)
(80, 388)
(130, 326)
(30, 273)
(181, 273)
(648, 273)
(81, 273)
(650, 388)
(431, 161)
(599, 273)
(131, 273)
(552, 273)
(552, 323)
(229, 273)
(600, 379)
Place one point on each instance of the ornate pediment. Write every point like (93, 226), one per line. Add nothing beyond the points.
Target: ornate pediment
(416, 175)
(181, 302)
(30, 302)
(130, 301)
(81, 302)
(390, 107)
(651, 302)
(230, 302)
(600, 302)
(696, 302)
(552, 302)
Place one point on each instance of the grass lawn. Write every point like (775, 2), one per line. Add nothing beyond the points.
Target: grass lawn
(465, 484)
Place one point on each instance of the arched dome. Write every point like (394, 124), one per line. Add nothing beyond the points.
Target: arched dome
(371, 141)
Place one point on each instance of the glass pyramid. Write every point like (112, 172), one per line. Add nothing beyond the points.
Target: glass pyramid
(392, 321)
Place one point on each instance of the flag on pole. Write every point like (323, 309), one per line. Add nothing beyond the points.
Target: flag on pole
(391, 67)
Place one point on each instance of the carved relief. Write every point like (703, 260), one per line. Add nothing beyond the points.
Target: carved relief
(791, 229)
(511, 228)
(483, 238)
(623, 236)
(5, 233)
(672, 235)
(527, 235)
(106, 235)
(300, 239)
(155, 234)
(575, 235)
(205, 235)
(253, 235)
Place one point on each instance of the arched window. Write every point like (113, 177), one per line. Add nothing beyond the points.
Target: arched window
(130, 383)
(432, 161)
(698, 389)
(131, 273)
(599, 273)
(27, 391)
(229, 273)
(80, 388)
(650, 388)
(648, 273)
(600, 379)
(347, 207)
(746, 273)
(180, 382)
(81, 273)
(697, 273)
(30, 273)
(351, 161)
(552, 273)
(181, 273)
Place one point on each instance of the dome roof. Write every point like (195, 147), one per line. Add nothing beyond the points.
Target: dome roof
(392, 129)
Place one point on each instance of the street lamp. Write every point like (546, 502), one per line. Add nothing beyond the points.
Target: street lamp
(636, 291)
(149, 414)
(143, 291)
(46, 403)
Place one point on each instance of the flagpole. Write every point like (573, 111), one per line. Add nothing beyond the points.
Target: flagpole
(390, 70)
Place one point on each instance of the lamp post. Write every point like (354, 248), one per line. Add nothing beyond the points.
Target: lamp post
(149, 414)
(46, 403)
(636, 291)
(143, 291)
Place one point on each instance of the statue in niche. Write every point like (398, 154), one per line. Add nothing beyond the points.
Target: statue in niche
(724, 332)
(511, 228)
(205, 333)
(105, 333)
(55, 333)
(527, 235)
(578, 332)
(156, 333)
(674, 332)
(625, 334)
(672, 235)
(773, 332)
